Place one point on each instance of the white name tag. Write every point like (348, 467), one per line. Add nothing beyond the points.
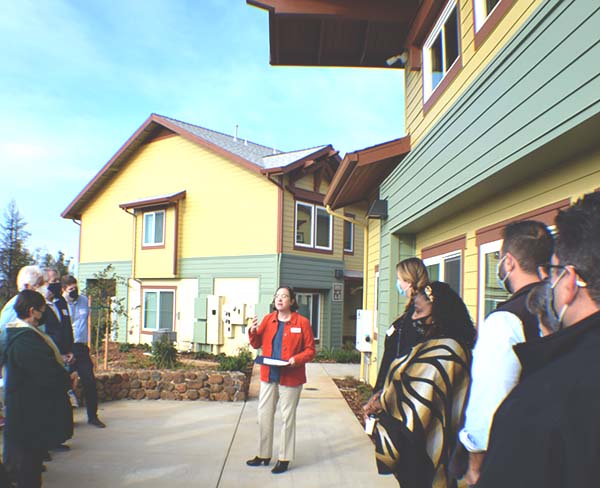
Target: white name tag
(296, 330)
(390, 331)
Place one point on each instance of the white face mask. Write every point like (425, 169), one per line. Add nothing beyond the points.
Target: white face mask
(503, 280)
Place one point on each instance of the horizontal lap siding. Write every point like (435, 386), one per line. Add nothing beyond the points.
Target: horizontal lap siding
(474, 61)
(545, 82)
(575, 177)
(317, 274)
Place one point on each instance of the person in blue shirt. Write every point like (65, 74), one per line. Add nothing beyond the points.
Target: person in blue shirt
(79, 311)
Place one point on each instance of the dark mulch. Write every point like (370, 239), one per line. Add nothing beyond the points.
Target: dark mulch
(356, 393)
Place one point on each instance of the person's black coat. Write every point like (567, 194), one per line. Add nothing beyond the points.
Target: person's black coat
(546, 433)
(59, 328)
(397, 344)
(38, 412)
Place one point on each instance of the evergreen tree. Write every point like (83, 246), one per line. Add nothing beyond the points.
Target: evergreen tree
(59, 262)
(13, 253)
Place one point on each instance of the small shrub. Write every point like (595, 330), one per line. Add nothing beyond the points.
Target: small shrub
(338, 355)
(125, 347)
(203, 355)
(240, 362)
(164, 354)
(144, 347)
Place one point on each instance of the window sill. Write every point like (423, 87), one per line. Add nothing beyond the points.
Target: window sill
(446, 81)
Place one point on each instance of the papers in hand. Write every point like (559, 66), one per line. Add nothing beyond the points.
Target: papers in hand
(270, 361)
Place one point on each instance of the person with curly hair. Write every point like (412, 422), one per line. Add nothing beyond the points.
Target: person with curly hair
(420, 406)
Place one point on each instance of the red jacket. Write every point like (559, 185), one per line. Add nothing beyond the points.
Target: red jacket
(298, 342)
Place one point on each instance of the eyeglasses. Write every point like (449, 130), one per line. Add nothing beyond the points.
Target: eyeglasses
(544, 271)
(283, 296)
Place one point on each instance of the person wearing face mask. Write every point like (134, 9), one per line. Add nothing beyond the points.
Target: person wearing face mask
(496, 369)
(546, 431)
(401, 336)
(29, 278)
(79, 312)
(38, 413)
(420, 406)
(56, 317)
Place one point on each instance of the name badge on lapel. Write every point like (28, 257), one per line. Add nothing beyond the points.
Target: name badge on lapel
(295, 330)
(390, 331)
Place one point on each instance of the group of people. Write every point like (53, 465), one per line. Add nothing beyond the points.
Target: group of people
(513, 403)
(43, 338)
(517, 403)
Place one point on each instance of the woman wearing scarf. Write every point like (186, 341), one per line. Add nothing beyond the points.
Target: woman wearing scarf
(38, 412)
(422, 401)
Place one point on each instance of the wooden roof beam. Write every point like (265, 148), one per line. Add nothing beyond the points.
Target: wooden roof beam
(372, 10)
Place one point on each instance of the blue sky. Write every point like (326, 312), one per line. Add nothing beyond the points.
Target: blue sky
(79, 77)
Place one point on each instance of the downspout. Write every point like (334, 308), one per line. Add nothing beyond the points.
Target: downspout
(78, 247)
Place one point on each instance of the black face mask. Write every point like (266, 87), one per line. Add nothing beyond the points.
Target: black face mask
(421, 324)
(55, 289)
(74, 294)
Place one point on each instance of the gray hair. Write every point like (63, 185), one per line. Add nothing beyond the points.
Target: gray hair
(31, 277)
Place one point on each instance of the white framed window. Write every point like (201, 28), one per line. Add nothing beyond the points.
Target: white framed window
(348, 237)
(446, 267)
(490, 292)
(159, 309)
(482, 9)
(309, 305)
(441, 49)
(154, 228)
(313, 227)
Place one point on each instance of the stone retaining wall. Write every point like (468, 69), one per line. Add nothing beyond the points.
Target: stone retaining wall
(226, 386)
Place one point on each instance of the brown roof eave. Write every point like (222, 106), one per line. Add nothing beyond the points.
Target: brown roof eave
(327, 151)
(373, 163)
(154, 202)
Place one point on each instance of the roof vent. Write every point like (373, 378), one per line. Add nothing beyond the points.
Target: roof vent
(235, 137)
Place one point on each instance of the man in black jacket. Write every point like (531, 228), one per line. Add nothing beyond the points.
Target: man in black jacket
(547, 431)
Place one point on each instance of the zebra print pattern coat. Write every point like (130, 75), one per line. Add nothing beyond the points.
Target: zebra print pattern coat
(422, 401)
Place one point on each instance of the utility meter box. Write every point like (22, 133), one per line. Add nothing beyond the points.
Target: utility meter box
(364, 330)
(227, 319)
(214, 324)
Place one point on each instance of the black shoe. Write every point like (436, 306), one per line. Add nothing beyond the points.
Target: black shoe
(61, 448)
(257, 461)
(280, 467)
(97, 422)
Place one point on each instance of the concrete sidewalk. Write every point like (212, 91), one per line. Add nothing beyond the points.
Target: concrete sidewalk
(205, 444)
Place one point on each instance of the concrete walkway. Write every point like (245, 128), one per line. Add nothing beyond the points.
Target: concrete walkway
(205, 444)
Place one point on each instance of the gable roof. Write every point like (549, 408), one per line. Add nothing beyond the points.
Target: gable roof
(252, 156)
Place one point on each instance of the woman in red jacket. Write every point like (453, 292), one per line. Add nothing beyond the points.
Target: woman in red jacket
(283, 334)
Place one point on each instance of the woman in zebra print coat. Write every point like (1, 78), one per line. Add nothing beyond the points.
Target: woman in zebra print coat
(424, 394)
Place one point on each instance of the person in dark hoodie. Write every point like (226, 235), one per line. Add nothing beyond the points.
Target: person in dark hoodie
(38, 412)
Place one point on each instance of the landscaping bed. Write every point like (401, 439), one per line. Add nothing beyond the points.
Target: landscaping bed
(356, 393)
